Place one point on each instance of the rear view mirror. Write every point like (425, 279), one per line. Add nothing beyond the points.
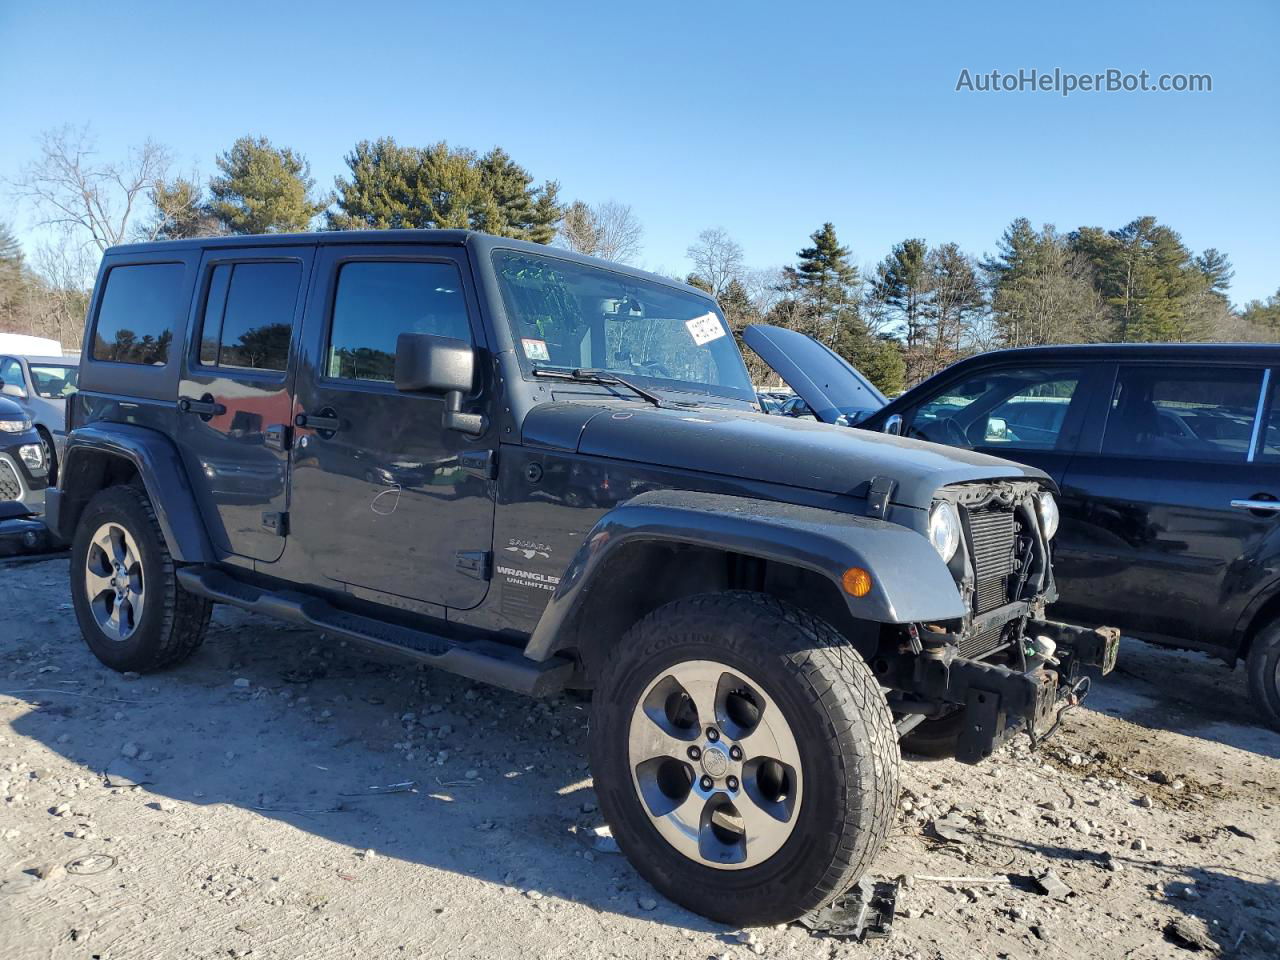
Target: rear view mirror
(428, 363)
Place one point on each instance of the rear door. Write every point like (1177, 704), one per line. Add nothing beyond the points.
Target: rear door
(383, 496)
(1158, 548)
(236, 393)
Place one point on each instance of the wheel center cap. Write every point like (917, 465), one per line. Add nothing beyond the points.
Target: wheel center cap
(715, 762)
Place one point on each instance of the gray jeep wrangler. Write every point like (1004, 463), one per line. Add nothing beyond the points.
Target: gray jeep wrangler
(544, 472)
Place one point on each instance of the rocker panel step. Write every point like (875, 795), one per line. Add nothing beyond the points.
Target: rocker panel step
(495, 663)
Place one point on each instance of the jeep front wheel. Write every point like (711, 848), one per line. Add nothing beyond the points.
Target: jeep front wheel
(744, 757)
(132, 612)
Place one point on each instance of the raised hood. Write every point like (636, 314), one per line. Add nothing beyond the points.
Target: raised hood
(820, 377)
(759, 447)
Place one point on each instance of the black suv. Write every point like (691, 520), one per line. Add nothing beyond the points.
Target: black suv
(1168, 460)
(545, 471)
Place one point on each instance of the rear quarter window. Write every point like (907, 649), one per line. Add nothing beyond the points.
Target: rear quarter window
(140, 308)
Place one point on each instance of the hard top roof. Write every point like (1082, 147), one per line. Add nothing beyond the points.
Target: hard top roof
(473, 239)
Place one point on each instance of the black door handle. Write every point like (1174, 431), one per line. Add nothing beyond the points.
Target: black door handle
(324, 422)
(205, 408)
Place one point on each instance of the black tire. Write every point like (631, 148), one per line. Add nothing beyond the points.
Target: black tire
(50, 455)
(172, 622)
(843, 731)
(1263, 668)
(935, 739)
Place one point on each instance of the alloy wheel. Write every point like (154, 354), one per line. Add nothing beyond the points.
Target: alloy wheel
(113, 581)
(715, 765)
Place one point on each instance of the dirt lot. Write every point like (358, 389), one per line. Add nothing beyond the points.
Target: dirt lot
(257, 831)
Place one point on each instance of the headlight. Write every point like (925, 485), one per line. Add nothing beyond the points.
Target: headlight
(14, 426)
(1048, 508)
(32, 455)
(944, 529)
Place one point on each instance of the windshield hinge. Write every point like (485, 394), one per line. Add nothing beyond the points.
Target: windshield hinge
(878, 495)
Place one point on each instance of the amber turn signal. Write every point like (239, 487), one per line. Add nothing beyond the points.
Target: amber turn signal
(857, 582)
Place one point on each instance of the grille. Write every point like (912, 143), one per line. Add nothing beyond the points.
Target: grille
(10, 488)
(981, 643)
(991, 545)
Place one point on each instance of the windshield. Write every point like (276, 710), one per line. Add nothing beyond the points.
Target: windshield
(54, 381)
(569, 315)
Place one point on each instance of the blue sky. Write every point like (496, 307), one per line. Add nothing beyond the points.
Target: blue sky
(766, 119)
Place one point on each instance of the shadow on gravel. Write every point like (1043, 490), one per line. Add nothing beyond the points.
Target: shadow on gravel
(1187, 693)
(1231, 910)
(501, 780)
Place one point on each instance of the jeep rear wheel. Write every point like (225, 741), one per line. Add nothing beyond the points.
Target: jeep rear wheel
(744, 756)
(132, 612)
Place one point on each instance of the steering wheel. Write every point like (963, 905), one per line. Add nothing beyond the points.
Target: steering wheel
(947, 432)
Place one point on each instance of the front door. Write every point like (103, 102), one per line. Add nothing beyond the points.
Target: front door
(1157, 546)
(383, 496)
(1028, 412)
(235, 397)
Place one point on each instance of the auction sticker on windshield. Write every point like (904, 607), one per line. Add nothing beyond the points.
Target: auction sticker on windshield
(535, 349)
(705, 328)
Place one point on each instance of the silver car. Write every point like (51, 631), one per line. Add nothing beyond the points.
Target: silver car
(41, 385)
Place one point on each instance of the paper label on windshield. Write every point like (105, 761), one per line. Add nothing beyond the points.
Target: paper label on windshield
(535, 349)
(705, 328)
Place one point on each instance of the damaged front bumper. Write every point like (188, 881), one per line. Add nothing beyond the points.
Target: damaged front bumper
(998, 700)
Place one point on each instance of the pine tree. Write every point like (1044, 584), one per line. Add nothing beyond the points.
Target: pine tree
(514, 207)
(955, 302)
(901, 286)
(390, 187)
(1156, 290)
(1042, 291)
(825, 283)
(264, 189)
(181, 211)
(10, 248)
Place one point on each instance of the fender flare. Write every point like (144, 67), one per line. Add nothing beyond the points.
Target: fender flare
(163, 475)
(910, 582)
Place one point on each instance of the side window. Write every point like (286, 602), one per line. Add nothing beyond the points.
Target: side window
(1183, 413)
(248, 316)
(1269, 441)
(141, 304)
(11, 380)
(376, 301)
(1016, 409)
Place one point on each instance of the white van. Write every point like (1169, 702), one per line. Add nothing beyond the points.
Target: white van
(21, 343)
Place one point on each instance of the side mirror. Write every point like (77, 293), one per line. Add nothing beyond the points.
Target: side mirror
(12, 390)
(893, 425)
(428, 363)
(997, 428)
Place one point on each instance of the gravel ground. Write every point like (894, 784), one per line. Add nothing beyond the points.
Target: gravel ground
(257, 829)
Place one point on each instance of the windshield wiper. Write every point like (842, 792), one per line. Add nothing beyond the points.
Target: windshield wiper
(606, 377)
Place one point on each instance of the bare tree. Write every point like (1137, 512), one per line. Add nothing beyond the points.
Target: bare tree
(609, 230)
(68, 187)
(63, 268)
(717, 259)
